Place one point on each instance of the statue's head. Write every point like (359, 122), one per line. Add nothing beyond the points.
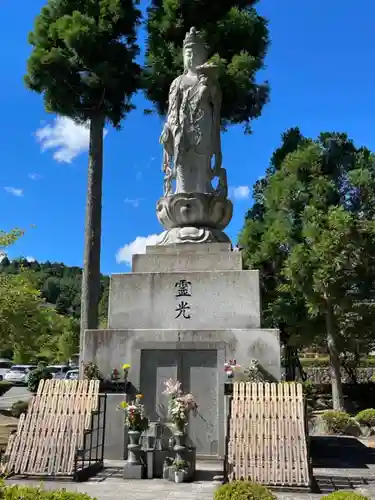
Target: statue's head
(194, 50)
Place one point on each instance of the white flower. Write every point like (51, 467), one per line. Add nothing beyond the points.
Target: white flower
(172, 387)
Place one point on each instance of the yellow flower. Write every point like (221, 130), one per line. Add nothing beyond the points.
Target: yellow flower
(139, 396)
(124, 405)
(126, 366)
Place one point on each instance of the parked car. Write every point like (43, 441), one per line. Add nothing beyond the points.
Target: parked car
(5, 366)
(72, 374)
(19, 374)
(58, 371)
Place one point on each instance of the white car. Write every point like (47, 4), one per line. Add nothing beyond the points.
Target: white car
(5, 366)
(19, 374)
(72, 374)
(58, 371)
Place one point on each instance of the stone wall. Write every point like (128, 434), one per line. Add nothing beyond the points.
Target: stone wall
(322, 375)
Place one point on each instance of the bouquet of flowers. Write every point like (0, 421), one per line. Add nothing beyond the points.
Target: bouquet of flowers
(231, 368)
(135, 417)
(180, 404)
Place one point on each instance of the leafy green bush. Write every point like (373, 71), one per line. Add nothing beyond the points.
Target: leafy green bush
(308, 388)
(336, 421)
(366, 417)
(15, 492)
(314, 362)
(40, 373)
(243, 490)
(345, 495)
(18, 408)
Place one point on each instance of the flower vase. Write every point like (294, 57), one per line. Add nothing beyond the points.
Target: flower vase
(134, 447)
(179, 476)
(180, 440)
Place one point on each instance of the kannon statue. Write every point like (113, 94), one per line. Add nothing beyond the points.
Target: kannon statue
(191, 134)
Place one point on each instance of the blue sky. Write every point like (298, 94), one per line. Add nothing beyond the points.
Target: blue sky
(321, 70)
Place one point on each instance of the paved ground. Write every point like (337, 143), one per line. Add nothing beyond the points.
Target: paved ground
(157, 489)
(339, 463)
(17, 393)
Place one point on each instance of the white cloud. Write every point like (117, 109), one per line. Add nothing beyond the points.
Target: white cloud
(30, 259)
(14, 191)
(65, 137)
(35, 177)
(133, 202)
(2, 256)
(240, 192)
(135, 247)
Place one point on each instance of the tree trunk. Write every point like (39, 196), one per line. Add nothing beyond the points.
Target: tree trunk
(337, 394)
(90, 294)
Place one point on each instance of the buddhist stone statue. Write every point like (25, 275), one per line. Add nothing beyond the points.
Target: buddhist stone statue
(192, 153)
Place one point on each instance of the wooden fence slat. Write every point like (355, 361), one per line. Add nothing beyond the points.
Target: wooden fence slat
(267, 440)
(48, 436)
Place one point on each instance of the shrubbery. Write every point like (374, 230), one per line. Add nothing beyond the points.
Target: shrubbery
(18, 408)
(243, 490)
(16, 492)
(336, 421)
(366, 417)
(40, 373)
(345, 495)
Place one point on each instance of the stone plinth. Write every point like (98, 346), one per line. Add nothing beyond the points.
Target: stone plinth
(187, 310)
(220, 300)
(164, 263)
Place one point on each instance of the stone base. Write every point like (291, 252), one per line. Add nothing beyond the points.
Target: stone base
(133, 471)
(115, 437)
(191, 234)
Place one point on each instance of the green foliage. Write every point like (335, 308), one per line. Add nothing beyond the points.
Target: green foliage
(54, 291)
(243, 490)
(336, 421)
(308, 388)
(7, 239)
(15, 492)
(18, 408)
(82, 58)
(345, 495)
(366, 417)
(92, 372)
(311, 234)
(237, 38)
(179, 464)
(40, 373)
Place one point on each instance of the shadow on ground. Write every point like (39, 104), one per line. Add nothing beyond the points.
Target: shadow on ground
(331, 452)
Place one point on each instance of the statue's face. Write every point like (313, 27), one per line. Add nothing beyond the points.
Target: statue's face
(192, 58)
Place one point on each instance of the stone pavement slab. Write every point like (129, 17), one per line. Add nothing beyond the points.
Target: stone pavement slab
(15, 394)
(155, 489)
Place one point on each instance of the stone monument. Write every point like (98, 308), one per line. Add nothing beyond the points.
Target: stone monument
(187, 306)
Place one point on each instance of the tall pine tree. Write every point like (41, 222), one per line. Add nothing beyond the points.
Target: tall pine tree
(83, 63)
